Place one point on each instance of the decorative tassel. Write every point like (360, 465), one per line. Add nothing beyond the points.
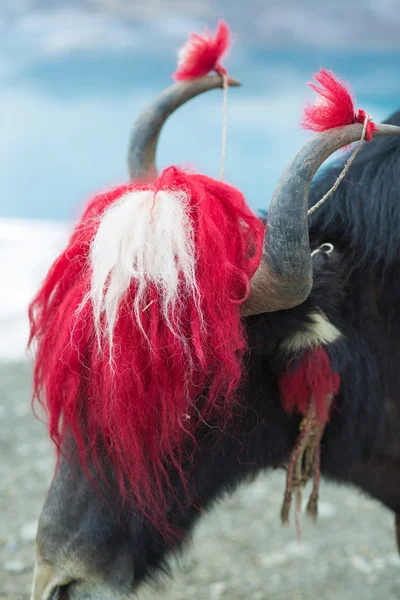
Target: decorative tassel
(309, 390)
(313, 378)
(202, 54)
(199, 56)
(334, 106)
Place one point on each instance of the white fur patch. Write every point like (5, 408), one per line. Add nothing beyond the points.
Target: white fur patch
(143, 238)
(319, 332)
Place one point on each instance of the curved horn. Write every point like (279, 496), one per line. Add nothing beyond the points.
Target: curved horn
(147, 129)
(284, 278)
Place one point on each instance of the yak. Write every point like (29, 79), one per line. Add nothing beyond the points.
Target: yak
(331, 280)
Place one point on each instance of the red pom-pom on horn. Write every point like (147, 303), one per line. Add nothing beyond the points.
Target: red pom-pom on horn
(334, 106)
(203, 53)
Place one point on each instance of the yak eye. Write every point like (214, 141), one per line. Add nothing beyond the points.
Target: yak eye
(60, 592)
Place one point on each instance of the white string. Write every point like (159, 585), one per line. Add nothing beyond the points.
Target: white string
(343, 173)
(225, 86)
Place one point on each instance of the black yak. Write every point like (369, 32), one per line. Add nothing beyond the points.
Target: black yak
(342, 295)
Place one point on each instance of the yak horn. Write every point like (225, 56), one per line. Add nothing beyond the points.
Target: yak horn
(284, 277)
(147, 129)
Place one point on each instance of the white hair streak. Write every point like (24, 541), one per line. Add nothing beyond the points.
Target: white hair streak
(319, 331)
(147, 239)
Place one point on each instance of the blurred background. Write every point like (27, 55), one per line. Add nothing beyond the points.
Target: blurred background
(74, 75)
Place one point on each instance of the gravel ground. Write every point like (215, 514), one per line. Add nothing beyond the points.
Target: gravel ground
(238, 552)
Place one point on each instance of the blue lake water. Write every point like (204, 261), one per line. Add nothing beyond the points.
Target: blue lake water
(65, 118)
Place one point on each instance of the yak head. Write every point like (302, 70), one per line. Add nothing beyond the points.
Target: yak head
(108, 522)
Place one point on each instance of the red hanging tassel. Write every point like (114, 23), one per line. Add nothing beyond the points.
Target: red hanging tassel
(313, 380)
(334, 106)
(203, 53)
(309, 390)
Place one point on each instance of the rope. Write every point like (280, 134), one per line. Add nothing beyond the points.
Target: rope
(225, 87)
(343, 173)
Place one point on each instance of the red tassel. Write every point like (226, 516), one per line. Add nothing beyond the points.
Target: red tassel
(312, 380)
(334, 106)
(202, 53)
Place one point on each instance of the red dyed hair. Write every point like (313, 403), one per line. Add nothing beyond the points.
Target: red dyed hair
(142, 408)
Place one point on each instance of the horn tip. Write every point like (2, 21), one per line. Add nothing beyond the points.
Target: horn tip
(234, 82)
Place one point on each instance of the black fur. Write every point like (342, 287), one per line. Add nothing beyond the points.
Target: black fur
(357, 287)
